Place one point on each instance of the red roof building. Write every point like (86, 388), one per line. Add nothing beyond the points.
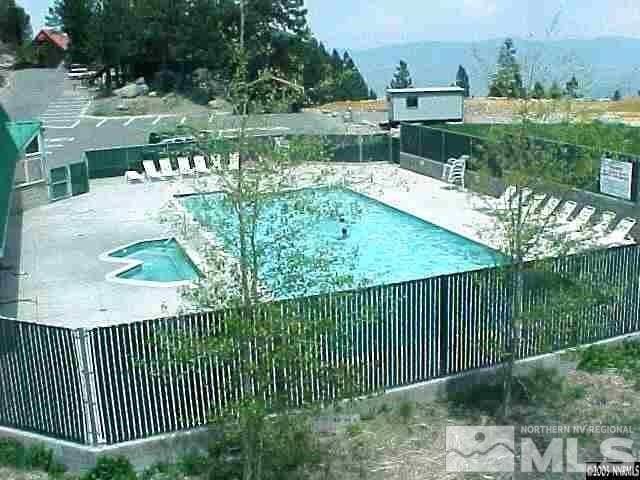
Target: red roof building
(51, 46)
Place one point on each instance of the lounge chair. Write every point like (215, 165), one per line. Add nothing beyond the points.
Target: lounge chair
(131, 176)
(166, 170)
(561, 217)
(547, 210)
(234, 161)
(579, 222)
(216, 160)
(185, 167)
(620, 234)
(511, 202)
(533, 205)
(598, 231)
(201, 165)
(150, 170)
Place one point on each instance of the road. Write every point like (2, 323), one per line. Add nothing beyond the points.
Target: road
(62, 105)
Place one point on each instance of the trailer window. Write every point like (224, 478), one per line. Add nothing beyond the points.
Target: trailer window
(412, 102)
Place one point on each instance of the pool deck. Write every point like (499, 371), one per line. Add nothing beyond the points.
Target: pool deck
(62, 279)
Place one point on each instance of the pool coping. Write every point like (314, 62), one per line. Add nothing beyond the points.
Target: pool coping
(131, 264)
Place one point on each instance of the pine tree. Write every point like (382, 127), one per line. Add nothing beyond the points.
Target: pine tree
(402, 77)
(462, 80)
(538, 91)
(617, 96)
(572, 88)
(507, 81)
(555, 92)
(373, 95)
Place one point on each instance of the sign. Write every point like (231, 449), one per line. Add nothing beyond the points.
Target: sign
(616, 177)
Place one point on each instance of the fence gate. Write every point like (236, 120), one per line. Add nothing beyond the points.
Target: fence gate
(68, 180)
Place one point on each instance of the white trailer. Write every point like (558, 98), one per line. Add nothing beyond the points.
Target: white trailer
(441, 104)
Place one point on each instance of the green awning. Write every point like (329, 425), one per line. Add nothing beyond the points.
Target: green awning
(14, 139)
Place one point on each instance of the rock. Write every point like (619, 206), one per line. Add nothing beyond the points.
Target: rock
(153, 94)
(216, 104)
(140, 81)
(122, 107)
(132, 90)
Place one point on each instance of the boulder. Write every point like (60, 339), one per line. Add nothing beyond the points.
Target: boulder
(153, 94)
(132, 90)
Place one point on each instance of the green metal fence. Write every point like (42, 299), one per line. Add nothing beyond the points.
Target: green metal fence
(440, 145)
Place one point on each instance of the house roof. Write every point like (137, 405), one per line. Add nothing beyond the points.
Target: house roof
(425, 90)
(14, 139)
(60, 40)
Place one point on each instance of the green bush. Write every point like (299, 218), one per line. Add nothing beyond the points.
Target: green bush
(111, 468)
(12, 453)
(624, 358)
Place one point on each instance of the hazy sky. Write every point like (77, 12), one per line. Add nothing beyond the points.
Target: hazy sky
(357, 24)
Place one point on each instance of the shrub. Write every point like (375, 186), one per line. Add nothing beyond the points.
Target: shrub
(12, 453)
(165, 81)
(111, 468)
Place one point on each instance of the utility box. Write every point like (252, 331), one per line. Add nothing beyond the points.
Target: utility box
(432, 104)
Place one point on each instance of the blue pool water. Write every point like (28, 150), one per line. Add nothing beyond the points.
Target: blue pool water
(384, 245)
(163, 261)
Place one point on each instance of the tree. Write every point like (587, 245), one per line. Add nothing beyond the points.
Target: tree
(538, 91)
(15, 24)
(546, 299)
(462, 80)
(507, 81)
(262, 254)
(74, 17)
(373, 95)
(617, 96)
(402, 77)
(572, 88)
(555, 93)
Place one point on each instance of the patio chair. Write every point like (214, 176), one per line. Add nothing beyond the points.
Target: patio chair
(184, 167)
(150, 170)
(454, 171)
(511, 202)
(201, 165)
(620, 234)
(562, 215)
(166, 170)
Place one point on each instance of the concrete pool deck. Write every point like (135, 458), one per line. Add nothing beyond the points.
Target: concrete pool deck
(62, 279)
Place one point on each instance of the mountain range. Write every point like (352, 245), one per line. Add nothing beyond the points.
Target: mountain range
(601, 65)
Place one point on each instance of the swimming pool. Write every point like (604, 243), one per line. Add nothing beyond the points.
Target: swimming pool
(383, 245)
(160, 262)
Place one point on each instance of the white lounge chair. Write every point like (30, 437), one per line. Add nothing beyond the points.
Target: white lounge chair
(184, 167)
(166, 170)
(150, 170)
(547, 210)
(234, 161)
(620, 234)
(533, 205)
(131, 176)
(201, 165)
(579, 222)
(512, 202)
(561, 217)
(216, 161)
(598, 231)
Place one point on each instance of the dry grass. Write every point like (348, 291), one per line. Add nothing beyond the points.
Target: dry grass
(145, 105)
(391, 446)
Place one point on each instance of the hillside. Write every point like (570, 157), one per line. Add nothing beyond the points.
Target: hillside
(602, 65)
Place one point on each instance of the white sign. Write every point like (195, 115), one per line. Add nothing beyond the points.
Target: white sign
(615, 178)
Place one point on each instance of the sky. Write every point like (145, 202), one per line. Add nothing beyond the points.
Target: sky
(361, 24)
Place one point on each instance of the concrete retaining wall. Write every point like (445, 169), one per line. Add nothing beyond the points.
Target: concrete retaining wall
(170, 447)
(29, 195)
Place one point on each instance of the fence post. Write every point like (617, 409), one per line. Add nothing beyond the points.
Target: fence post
(89, 389)
(443, 321)
(360, 146)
